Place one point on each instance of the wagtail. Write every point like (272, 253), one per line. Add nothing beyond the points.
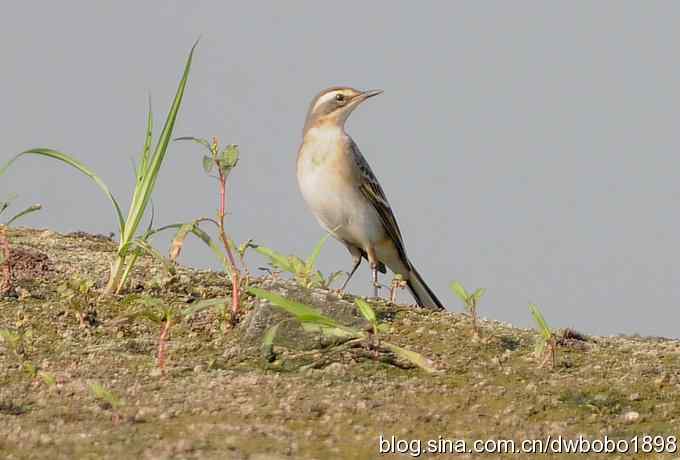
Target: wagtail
(345, 196)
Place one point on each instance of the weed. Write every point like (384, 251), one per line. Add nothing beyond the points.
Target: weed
(312, 320)
(107, 400)
(157, 312)
(80, 297)
(398, 282)
(5, 252)
(470, 300)
(222, 161)
(546, 345)
(304, 271)
(145, 180)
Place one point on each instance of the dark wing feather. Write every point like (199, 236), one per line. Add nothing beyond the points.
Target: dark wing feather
(371, 189)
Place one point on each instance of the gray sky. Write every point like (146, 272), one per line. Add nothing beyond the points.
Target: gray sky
(526, 147)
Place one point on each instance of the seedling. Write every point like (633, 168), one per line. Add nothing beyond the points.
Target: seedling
(14, 342)
(5, 252)
(304, 271)
(546, 344)
(80, 297)
(313, 321)
(145, 180)
(156, 311)
(470, 302)
(107, 400)
(222, 161)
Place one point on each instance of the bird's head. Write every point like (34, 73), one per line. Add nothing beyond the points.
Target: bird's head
(333, 105)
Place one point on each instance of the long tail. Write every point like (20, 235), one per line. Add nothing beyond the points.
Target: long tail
(421, 292)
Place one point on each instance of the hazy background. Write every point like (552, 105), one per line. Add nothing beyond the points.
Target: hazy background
(527, 147)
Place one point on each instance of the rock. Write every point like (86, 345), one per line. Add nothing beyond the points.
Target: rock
(631, 417)
(290, 334)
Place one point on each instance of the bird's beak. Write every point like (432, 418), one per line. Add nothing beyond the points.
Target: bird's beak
(370, 93)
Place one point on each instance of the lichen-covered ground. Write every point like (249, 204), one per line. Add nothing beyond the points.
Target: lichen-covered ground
(218, 397)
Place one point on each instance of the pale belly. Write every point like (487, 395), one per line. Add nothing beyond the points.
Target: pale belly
(340, 207)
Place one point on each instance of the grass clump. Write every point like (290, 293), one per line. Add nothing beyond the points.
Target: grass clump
(304, 272)
(146, 174)
(546, 344)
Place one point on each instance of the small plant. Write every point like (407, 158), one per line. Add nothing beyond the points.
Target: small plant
(14, 343)
(80, 296)
(5, 252)
(313, 321)
(146, 174)
(107, 400)
(222, 161)
(470, 301)
(546, 344)
(157, 312)
(304, 271)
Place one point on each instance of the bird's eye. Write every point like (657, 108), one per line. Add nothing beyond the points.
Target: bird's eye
(340, 97)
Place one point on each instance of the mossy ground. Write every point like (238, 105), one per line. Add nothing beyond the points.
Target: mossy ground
(219, 399)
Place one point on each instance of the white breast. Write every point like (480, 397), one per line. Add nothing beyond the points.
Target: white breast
(329, 190)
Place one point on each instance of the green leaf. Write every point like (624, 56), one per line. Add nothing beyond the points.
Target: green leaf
(460, 291)
(268, 342)
(411, 356)
(366, 310)
(308, 316)
(204, 142)
(478, 294)
(30, 209)
(543, 327)
(153, 252)
(276, 258)
(143, 191)
(203, 305)
(148, 136)
(71, 161)
(311, 260)
(297, 264)
(102, 393)
(208, 164)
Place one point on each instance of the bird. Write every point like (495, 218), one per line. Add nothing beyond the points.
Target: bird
(343, 193)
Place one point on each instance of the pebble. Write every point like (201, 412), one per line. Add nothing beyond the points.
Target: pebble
(631, 417)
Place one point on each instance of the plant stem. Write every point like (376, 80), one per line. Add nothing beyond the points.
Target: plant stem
(235, 284)
(6, 281)
(162, 343)
(117, 270)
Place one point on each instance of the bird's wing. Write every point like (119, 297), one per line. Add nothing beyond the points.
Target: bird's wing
(371, 189)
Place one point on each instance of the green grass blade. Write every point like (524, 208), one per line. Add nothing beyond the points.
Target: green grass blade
(146, 150)
(203, 236)
(478, 294)
(142, 196)
(198, 140)
(460, 291)
(366, 310)
(411, 356)
(30, 209)
(311, 260)
(203, 305)
(303, 313)
(71, 161)
(277, 259)
(543, 327)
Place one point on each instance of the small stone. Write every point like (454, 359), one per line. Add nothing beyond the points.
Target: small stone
(631, 417)
(634, 397)
(531, 387)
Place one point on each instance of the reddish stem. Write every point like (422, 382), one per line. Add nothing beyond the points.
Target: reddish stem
(6, 281)
(162, 343)
(235, 283)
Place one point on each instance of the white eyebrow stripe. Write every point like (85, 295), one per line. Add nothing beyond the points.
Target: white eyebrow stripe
(323, 99)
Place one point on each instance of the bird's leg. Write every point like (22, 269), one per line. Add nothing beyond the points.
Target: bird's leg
(356, 261)
(376, 285)
(375, 263)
